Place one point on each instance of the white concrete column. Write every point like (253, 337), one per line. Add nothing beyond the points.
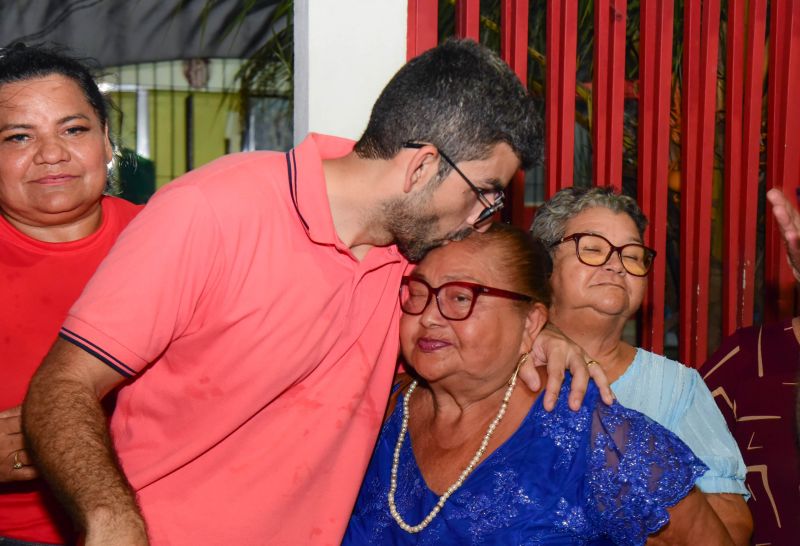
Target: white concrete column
(142, 123)
(345, 51)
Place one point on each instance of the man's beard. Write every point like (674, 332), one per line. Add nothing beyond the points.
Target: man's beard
(412, 226)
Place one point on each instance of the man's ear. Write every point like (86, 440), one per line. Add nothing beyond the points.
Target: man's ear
(421, 168)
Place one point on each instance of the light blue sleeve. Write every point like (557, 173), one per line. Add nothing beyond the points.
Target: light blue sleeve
(676, 397)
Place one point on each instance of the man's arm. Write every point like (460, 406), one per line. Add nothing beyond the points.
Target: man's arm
(67, 434)
(559, 353)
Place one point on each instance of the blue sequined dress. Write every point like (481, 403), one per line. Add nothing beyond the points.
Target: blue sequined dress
(601, 475)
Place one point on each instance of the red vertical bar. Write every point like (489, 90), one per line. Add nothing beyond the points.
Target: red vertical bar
(655, 79)
(690, 99)
(514, 36)
(603, 29)
(423, 26)
(782, 142)
(751, 157)
(514, 50)
(705, 173)
(468, 19)
(701, 44)
(645, 179)
(562, 21)
(608, 90)
(791, 167)
(734, 106)
(775, 109)
(792, 145)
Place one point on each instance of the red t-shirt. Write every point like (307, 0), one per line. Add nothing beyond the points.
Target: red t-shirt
(39, 282)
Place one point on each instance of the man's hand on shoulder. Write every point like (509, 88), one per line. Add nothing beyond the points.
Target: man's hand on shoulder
(559, 353)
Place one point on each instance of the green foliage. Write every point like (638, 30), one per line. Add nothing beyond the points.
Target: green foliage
(269, 72)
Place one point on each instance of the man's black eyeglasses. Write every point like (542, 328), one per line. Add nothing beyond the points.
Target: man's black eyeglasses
(490, 207)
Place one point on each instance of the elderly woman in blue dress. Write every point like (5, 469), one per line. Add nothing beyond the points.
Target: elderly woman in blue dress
(468, 455)
(599, 276)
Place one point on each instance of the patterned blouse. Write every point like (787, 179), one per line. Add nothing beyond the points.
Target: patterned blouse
(754, 377)
(601, 475)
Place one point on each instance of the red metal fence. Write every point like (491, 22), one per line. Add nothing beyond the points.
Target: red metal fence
(745, 144)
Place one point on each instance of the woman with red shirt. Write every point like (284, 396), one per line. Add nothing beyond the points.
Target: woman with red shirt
(56, 225)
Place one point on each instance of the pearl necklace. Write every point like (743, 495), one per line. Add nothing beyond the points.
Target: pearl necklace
(466, 472)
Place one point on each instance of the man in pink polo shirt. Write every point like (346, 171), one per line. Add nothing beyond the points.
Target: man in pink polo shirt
(252, 310)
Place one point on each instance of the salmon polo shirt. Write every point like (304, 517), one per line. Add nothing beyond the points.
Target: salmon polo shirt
(261, 352)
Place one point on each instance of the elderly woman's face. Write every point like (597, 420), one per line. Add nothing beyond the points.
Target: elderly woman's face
(484, 346)
(53, 152)
(607, 289)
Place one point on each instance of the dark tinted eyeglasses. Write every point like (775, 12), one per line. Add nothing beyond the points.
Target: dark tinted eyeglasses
(490, 206)
(596, 250)
(455, 300)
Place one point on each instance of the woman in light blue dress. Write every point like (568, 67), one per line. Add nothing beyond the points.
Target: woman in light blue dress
(467, 455)
(599, 277)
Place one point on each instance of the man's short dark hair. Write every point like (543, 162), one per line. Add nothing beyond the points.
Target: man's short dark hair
(460, 97)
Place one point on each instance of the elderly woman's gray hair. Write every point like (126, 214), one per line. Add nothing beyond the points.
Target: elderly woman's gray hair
(552, 217)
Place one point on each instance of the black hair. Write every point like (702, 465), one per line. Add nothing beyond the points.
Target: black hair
(20, 62)
(460, 97)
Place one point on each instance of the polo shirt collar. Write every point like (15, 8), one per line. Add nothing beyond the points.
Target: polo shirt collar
(310, 192)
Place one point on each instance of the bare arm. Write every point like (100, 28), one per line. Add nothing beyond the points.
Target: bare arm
(68, 437)
(732, 510)
(692, 521)
(559, 353)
